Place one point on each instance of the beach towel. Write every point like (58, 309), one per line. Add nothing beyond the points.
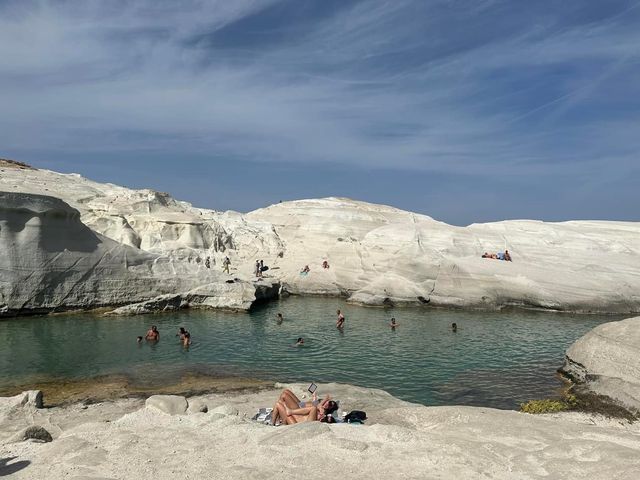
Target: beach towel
(263, 415)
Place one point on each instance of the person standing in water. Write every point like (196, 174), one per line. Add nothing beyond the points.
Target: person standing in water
(153, 335)
(279, 319)
(393, 323)
(340, 322)
(454, 327)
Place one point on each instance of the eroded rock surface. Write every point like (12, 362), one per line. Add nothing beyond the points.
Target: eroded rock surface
(607, 359)
(377, 255)
(401, 440)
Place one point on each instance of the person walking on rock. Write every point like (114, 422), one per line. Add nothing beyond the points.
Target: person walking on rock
(226, 263)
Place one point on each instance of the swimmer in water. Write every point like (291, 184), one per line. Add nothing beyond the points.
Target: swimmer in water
(340, 322)
(300, 342)
(279, 319)
(139, 339)
(454, 327)
(153, 334)
(393, 323)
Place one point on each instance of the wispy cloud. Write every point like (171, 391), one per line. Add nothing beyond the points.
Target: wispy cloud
(447, 86)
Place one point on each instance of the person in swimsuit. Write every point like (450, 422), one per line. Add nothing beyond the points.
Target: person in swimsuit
(340, 322)
(393, 324)
(454, 327)
(185, 336)
(289, 409)
(139, 340)
(153, 334)
(299, 342)
(279, 319)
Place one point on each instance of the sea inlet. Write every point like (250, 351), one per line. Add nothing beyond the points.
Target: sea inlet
(494, 359)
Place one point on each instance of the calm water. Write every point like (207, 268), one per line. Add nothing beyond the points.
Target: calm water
(495, 359)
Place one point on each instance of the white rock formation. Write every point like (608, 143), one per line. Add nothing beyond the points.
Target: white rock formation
(51, 260)
(378, 255)
(401, 440)
(607, 359)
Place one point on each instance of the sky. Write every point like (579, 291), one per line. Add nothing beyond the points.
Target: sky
(464, 110)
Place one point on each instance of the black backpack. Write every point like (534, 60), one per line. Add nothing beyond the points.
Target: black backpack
(355, 416)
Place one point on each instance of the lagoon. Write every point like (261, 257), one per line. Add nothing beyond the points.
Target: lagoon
(495, 359)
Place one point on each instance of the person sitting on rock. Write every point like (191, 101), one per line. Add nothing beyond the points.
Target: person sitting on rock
(325, 264)
(290, 410)
(152, 334)
(305, 270)
(507, 256)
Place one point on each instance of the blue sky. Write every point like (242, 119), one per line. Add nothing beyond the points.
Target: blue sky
(468, 111)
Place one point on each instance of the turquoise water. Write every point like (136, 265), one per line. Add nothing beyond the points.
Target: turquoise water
(494, 359)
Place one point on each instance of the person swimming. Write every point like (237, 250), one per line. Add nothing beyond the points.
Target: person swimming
(340, 321)
(393, 323)
(185, 336)
(299, 342)
(279, 318)
(454, 327)
(153, 334)
(139, 339)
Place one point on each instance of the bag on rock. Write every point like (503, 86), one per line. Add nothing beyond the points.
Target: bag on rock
(355, 416)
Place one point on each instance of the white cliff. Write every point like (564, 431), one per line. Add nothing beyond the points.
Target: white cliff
(378, 255)
(51, 260)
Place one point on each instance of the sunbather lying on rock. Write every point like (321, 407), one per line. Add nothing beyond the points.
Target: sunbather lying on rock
(498, 256)
(289, 409)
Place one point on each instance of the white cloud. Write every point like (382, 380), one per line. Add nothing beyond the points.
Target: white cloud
(367, 86)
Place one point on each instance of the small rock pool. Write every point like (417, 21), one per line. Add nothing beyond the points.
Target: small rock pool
(497, 359)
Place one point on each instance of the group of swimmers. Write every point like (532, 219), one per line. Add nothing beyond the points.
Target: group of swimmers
(153, 335)
(340, 325)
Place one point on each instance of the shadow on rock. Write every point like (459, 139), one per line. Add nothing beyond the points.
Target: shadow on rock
(7, 468)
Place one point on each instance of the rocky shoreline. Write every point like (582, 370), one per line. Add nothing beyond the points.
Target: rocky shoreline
(213, 436)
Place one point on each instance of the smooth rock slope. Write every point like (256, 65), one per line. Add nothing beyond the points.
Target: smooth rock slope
(607, 360)
(124, 439)
(378, 255)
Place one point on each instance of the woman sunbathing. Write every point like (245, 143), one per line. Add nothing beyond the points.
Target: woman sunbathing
(289, 409)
